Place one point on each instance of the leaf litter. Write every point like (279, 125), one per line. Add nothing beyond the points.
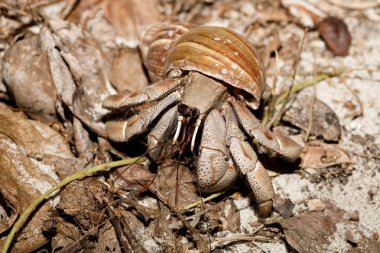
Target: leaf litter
(52, 125)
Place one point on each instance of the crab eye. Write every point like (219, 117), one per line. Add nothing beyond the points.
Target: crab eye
(195, 112)
(188, 112)
(184, 110)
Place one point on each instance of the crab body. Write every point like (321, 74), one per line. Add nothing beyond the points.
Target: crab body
(214, 79)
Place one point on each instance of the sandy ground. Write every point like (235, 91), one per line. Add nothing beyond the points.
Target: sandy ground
(360, 136)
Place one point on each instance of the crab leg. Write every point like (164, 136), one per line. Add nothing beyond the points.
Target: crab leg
(123, 130)
(149, 94)
(273, 140)
(161, 132)
(214, 170)
(246, 160)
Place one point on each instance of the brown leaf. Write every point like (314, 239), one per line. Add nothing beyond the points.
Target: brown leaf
(216, 217)
(83, 202)
(168, 180)
(133, 178)
(271, 13)
(327, 231)
(88, 69)
(66, 236)
(233, 218)
(335, 33)
(62, 77)
(325, 122)
(32, 89)
(322, 155)
(34, 137)
(126, 72)
(128, 17)
(107, 241)
(283, 206)
(9, 206)
(308, 232)
(25, 173)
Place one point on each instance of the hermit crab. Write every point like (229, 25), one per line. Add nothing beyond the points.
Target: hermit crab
(211, 80)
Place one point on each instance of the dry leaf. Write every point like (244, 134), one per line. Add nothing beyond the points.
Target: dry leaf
(9, 205)
(283, 206)
(168, 180)
(133, 178)
(233, 218)
(82, 201)
(107, 241)
(32, 89)
(88, 69)
(324, 122)
(128, 17)
(327, 231)
(126, 72)
(66, 235)
(322, 155)
(28, 152)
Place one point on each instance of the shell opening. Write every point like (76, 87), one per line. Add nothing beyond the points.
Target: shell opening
(249, 99)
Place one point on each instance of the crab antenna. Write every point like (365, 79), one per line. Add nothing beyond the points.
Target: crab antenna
(180, 119)
(197, 124)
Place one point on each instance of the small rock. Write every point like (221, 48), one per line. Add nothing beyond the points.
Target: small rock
(311, 171)
(335, 33)
(315, 205)
(283, 206)
(354, 216)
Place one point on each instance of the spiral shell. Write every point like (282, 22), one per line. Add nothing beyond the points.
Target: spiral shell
(222, 54)
(155, 44)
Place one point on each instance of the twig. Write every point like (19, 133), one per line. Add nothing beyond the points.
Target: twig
(355, 5)
(77, 176)
(132, 241)
(297, 88)
(280, 112)
(194, 12)
(258, 229)
(242, 237)
(272, 100)
(89, 232)
(310, 120)
(202, 200)
(368, 156)
(358, 100)
(197, 236)
(229, 239)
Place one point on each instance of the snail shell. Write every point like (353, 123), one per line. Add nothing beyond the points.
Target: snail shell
(222, 54)
(155, 44)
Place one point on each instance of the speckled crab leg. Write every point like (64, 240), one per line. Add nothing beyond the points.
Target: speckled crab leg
(161, 132)
(149, 94)
(246, 160)
(275, 141)
(215, 170)
(123, 130)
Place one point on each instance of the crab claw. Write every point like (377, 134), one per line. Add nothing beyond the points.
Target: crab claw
(215, 171)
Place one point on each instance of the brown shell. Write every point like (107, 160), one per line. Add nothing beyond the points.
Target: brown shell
(155, 45)
(222, 54)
